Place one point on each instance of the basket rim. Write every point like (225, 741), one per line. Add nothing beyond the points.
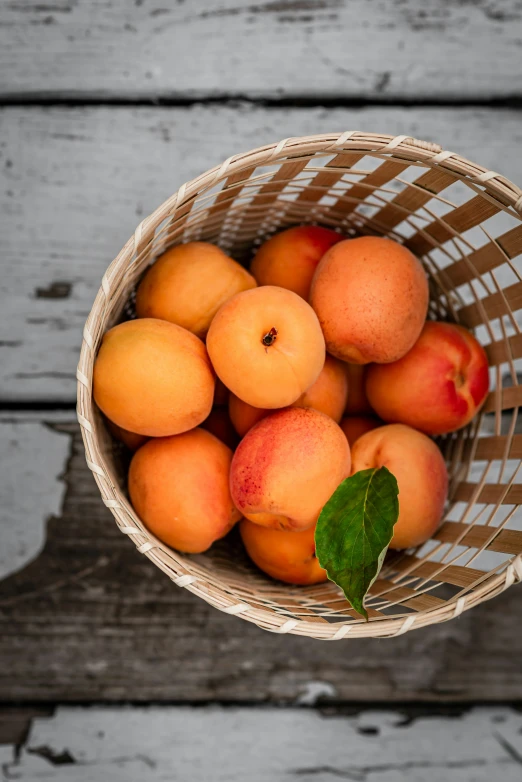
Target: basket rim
(498, 188)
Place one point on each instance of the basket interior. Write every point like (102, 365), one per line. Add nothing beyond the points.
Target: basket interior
(463, 226)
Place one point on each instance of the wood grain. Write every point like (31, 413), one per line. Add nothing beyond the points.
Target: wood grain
(233, 745)
(275, 48)
(76, 182)
(93, 620)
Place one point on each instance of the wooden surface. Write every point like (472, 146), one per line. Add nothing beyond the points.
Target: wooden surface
(90, 619)
(76, 182)
(273, 48)
(105, 109)
(270, 745)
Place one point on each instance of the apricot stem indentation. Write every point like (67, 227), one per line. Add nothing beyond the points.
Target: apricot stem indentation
(270, 337)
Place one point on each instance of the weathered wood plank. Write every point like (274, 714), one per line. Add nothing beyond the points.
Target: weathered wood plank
(91, 619)
(85, 745)
(75, 182)
(329, 48)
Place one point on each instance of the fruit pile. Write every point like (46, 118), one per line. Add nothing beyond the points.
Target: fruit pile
(326, 367)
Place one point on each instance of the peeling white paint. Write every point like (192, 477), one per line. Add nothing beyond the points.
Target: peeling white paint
(7, 759)
(267, 745)
(315, 690)
(33, 457)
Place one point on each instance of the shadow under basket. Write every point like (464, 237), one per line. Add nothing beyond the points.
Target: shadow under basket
(464, 223)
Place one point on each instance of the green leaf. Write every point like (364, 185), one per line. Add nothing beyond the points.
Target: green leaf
(354, 530)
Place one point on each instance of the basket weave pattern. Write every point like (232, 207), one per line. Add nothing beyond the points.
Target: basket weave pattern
(464, 223)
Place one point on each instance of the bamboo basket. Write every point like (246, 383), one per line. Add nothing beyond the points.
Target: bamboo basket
(464, 223)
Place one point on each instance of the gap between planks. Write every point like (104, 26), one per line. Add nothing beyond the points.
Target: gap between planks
(233, 100)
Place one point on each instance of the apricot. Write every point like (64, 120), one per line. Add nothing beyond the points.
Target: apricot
(153, 378)
(266, 346)
(357, 402)
(421, 475)
(243, 415)
(329, 392)
(219, 424)
(328, 395)
(371, 297)
(438, 386)
(354, 426)
(289, 259)
(188, 284)
(287, 556)
(287, 467)
(131, 440)
(179, 488)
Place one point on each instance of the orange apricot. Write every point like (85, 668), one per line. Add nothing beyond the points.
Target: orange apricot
(219, 424)
(357, 402)
(329, 392)
(328, 395)
(354, 426)
(243, 415)
(131, 440)
(287, 556)
(188, 284)
(438, 386)
(179, 488)
(266, 346)
(371, 297)
(153, 378)
(289, 259)
(287, 467)
(421, 475)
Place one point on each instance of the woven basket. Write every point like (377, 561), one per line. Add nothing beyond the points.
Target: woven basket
(464, 223)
